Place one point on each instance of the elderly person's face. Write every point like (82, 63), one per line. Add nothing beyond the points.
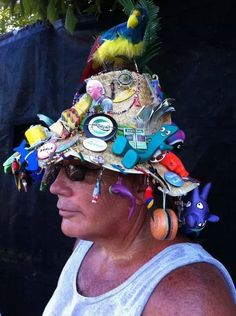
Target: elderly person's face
(86, 220)
(94, 88)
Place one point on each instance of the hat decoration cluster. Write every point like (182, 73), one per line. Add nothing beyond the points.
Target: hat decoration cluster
(122, 122)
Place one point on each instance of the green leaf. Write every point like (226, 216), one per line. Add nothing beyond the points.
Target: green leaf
(26, 6)
(91, 10)
(77, 8)
(115, 6)
(5, 3)
(71, 20)
(8, 22)
(61, 7)
(42, 8)
(52, 13)
(128, 6)
(98, 5)
(36, 5)
(12, 5)
(151, 52)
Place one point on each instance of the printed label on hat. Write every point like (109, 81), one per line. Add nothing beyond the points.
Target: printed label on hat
(46, 150)
(100, 126)
(95, 144)
(136, 137)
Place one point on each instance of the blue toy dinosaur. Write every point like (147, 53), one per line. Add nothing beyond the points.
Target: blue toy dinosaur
(132, 156)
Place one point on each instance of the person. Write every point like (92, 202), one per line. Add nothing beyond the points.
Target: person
(127, 198)
(129, 203)
(119, 268)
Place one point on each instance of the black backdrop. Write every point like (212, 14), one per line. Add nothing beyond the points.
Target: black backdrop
(39, 73)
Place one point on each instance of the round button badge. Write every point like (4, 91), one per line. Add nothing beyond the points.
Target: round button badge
(174, 179)
(100, 126)
(95, 144)
(46, 150)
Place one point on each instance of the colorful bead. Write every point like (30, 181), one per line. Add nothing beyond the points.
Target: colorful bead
(148, 197)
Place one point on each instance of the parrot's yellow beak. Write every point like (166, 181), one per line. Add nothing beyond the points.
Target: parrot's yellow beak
(133, 19)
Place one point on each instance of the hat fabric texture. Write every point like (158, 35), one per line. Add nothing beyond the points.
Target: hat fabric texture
(131, 95)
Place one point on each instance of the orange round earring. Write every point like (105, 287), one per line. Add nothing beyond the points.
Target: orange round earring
(164, 224)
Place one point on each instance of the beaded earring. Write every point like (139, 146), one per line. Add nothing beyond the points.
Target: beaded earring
(97, 188)
(148, 195)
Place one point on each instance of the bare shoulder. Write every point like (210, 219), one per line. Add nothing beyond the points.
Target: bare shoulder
(196, 289)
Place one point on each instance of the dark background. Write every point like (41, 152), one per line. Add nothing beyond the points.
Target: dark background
(40, 69)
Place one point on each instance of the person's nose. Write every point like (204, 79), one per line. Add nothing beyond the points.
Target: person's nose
(61, 185)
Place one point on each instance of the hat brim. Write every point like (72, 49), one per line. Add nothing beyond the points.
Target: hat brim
(113, 163)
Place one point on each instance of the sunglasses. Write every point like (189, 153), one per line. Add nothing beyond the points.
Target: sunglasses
(73, 172)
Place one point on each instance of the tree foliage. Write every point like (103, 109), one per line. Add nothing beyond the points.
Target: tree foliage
(13, 20)
(30, 10)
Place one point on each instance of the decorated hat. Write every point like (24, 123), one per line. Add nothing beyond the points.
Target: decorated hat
(119, 120)
(120, 123)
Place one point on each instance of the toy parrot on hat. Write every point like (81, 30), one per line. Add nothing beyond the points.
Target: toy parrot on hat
(125, 41)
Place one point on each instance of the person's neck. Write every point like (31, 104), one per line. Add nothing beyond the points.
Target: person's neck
(126, 244)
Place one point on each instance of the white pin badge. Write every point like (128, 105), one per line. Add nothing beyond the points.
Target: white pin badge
(95, 144)
(46, 150)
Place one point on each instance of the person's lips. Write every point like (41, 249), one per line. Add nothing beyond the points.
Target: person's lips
(67, 213)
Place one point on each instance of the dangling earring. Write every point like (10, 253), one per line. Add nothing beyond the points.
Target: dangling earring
(123, 191)
(97, 188)
(164, 222)
(148, 195)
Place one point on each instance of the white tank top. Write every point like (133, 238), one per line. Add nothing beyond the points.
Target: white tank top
(131, 296)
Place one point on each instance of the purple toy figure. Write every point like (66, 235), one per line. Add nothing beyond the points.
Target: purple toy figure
(177, 140)
(196, 212)
(123, 191)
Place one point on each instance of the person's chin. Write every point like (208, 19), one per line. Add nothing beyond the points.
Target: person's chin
(77, 230)
(68, 228)
(73, 228)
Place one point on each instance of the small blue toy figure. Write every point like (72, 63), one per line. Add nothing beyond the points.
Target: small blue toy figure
(196, 212)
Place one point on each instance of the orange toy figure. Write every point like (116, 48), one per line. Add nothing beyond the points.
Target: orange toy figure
(173, 163)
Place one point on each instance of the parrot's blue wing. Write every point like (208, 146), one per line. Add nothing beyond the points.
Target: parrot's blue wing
(113, 32)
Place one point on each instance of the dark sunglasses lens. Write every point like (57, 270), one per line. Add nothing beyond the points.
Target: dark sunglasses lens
(50, 175)
(75, 173)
